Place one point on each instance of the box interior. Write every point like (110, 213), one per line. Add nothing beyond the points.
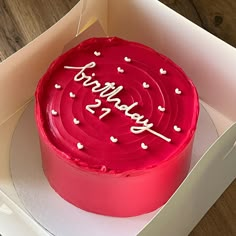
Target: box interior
(206, 59)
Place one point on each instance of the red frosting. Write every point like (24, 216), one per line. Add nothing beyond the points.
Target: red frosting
(115, 162)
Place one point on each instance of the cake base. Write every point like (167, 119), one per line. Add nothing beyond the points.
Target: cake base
(120, 195)
(50, 210)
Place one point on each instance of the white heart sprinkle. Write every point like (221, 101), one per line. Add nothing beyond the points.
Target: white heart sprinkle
(93, 74)
(120, 70)
(103, 168)
(162, 71)
(80, 146)
(113, 139)
(97, 53)
(72, 95)
(57, 86)
(176, 128)
(146, 85)
(127, 59)
(144, 146)
(54, 113)
(177, 91)
(162, 109)
(76, 122)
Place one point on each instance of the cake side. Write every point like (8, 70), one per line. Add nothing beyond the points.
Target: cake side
(119, 195)
(116, 123)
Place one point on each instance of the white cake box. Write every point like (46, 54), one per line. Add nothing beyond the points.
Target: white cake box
(207, 60)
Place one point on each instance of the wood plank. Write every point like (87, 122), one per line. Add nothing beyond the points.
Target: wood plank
(23, 20)
(220, 220)
(217, 17)
(184, 8)
(34, 17)
(11, 37)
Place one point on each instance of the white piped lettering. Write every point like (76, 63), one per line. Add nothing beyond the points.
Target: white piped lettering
(109, 91)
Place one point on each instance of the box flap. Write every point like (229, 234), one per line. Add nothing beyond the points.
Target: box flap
(211, 72)
(20, 72)
(209, 61)
(11, 214)
(202, 187)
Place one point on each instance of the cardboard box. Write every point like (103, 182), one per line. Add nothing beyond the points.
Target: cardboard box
(205, 58)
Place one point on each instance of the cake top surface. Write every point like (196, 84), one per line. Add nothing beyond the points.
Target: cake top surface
(115, 106)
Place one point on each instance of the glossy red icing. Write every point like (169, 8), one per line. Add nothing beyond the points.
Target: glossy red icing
(118, 179)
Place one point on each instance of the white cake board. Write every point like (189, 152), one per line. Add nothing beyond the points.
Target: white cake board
(55, 214)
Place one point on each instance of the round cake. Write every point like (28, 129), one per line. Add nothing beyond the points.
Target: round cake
(116, 123)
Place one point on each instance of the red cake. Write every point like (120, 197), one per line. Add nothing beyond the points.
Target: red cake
(116, 122)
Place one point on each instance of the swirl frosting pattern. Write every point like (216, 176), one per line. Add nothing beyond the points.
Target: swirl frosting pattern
(71, 113)
(117, 119)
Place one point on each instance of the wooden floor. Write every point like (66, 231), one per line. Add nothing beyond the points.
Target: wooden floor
(23, 20)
